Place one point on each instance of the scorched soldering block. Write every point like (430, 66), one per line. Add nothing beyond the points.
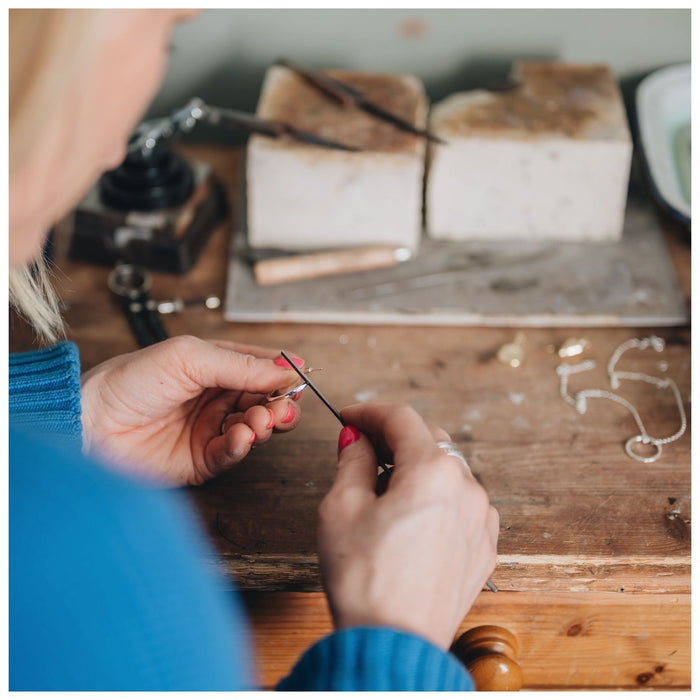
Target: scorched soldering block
(305, 197)
(546, 159)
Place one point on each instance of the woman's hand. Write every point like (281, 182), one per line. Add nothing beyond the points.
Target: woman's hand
(158, 412)
(416, 557)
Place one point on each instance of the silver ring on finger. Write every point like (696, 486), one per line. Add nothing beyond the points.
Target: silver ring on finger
(286, 393)
(451, 449)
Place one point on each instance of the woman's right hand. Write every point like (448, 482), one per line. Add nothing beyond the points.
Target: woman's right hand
(416, 557)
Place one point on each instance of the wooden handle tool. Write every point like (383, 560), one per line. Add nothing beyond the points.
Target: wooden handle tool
(293, 268)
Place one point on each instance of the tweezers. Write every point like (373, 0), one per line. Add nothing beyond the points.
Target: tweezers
(347, 95)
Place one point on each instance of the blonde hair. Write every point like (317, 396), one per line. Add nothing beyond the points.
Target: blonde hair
(46, 51)
(34, 298)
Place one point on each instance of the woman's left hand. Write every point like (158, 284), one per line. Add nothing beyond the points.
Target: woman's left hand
(158, 412)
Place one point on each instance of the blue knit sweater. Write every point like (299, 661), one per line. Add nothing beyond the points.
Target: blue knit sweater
(108, 584)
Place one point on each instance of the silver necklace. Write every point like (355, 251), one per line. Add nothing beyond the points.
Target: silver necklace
(579, 400)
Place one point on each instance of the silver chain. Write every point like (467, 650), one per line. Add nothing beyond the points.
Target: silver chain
(579, 400)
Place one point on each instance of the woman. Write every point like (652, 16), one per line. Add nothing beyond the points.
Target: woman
(108, 590)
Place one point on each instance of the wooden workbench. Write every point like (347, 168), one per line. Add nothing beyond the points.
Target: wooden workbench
(594, 549)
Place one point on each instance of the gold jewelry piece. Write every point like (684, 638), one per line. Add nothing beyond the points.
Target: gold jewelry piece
(573, 347)
(512, 353)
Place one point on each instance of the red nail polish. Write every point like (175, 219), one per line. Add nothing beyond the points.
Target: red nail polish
(347, 436)
(290, 415)
(271, 422)
(281, 362)
(252, 439)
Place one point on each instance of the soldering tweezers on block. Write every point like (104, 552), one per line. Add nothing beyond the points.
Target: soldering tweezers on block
(347, 95)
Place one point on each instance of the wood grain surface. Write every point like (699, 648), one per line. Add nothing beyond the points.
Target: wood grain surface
(576, 512)
(587, 534)
(566, 640)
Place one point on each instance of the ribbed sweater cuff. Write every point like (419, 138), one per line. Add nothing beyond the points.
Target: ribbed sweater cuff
(376, 659)
(44, 392)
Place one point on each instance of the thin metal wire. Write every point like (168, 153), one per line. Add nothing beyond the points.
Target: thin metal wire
(333, 410)
(313, 387)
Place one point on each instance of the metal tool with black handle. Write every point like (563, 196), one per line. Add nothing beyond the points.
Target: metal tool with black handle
(132, 283)
(153, 134)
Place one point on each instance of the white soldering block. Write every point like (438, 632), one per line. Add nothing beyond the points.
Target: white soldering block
(548, 159)
(304, 197)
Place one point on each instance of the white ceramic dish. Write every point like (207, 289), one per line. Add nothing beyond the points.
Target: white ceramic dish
(663, 115)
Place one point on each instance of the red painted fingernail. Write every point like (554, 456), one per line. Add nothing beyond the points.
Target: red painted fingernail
(347, 436)
(290, 415)
(281, 362)
(271, 422)
(252, 439)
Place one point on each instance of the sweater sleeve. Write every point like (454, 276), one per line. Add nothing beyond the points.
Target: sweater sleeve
(377, 659)
(44, 392)
(110, 584)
